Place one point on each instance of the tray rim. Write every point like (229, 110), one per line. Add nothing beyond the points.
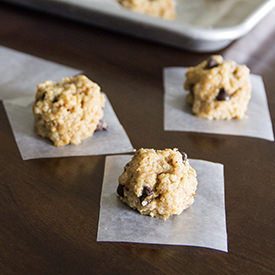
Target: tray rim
(183, 29)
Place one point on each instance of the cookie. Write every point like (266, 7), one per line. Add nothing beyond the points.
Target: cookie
(218, 89)
(158, 8)
(158, 183)
(68, 111)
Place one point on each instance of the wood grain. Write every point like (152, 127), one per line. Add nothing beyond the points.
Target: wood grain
(49, 208)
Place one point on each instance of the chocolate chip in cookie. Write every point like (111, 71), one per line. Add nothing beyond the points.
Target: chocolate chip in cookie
(43, 96)
(120, 190)
(101, 126)
(223, 95)
(211, 63)
(56, 99)
(145, 193)
(184, 157)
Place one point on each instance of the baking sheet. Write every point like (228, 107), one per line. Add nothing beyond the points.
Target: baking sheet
(201, 25)
(19, 75)
(178, 114)
(203, 224)
(202, 13)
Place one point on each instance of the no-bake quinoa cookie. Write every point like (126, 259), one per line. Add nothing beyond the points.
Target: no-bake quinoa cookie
(158, 183)
(219, 89)
(68, 111)
(158, 8)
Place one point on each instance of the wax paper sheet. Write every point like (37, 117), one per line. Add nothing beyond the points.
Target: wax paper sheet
(178, 114)
(203, 224)
(19, 75)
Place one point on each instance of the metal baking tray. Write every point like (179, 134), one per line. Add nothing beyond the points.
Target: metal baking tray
(200, 25)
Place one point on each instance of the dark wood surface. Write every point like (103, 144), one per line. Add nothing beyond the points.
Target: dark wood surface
(49, 208)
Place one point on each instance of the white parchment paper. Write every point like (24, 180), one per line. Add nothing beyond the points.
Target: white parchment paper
(203, 224)
(178, 114)
(112, 141)
(20, 74)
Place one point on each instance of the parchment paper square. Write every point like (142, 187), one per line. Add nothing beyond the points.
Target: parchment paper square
(20, 73)
(178, 114)
(19, 111)
(203, 224)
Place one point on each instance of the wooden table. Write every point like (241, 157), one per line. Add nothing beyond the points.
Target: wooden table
(49, 208)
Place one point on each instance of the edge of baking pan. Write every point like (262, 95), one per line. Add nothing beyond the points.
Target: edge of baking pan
(168, 32)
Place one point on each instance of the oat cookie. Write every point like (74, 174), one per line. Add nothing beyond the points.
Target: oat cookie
(219, 89)
(68, 111)
(159, 183)
(159, 8)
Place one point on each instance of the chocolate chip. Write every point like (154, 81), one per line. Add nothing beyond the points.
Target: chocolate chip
(120, 190)
(223, 95)
(146, 202)
(184, 157)
(146, 192)
(101, 126)
(43, 96)
(211, 63)
(55, 99)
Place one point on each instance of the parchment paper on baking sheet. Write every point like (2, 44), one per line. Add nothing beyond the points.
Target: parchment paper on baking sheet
(178, 114)
(20, 73)
(203, 224)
